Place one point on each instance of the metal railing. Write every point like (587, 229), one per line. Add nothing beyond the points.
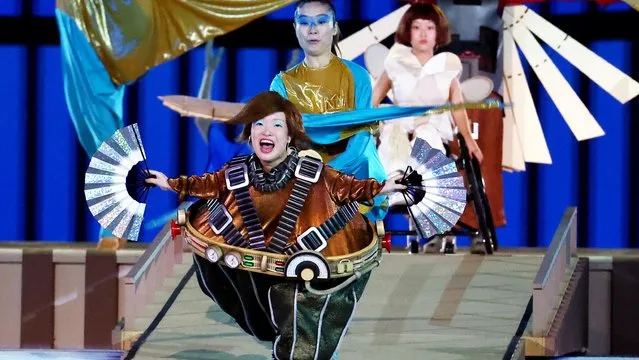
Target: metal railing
(139, 286)
(548, 281)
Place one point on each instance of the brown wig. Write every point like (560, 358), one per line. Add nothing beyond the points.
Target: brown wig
(265, 104)
(331, 8)
(427, 12)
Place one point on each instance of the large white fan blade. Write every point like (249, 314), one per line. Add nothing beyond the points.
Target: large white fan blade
(355, 45)
(526, 119)
(604, 74)
(633, 3)
(512, 156)
(573, 110)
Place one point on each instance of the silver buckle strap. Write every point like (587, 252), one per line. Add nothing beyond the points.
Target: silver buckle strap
(237, 177)
(307, 173)
(315, 238)
(222, 224)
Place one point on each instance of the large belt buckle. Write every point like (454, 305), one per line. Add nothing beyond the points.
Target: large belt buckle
(316, 164)
(227, 221)
(234, 168)
(309, 233)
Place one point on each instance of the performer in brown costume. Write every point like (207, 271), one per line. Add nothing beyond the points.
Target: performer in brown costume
(285, 225)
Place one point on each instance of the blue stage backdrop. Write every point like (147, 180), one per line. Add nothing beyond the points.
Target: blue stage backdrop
(43, 164)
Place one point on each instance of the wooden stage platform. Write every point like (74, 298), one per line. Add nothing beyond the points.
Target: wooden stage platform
(444, 307)
(516, 303)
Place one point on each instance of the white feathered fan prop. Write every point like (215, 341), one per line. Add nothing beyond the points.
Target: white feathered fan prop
(114, 188)
(435, 188)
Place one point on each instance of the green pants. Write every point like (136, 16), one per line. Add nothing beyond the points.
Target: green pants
(300, 324)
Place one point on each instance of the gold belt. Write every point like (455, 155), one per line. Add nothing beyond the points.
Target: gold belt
(289, 266)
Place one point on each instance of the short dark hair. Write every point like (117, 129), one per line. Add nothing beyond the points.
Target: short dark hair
(334, 47)
(427, 12)
(265, 104)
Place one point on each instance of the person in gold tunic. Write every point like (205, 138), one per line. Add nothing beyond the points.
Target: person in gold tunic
(301, 323)
(324, 83)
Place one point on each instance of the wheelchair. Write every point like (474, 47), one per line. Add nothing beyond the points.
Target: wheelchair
(481, 216)
(478, 198)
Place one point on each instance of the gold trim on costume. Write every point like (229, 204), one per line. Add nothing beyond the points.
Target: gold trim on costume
(339, 266)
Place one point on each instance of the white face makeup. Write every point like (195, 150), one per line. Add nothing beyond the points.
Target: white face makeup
(314, 28)
(269, 139)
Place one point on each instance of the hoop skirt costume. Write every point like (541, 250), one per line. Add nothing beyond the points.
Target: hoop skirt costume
(286, 253)
(254, 233)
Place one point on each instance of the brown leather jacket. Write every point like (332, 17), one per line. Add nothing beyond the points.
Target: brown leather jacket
(331, 190)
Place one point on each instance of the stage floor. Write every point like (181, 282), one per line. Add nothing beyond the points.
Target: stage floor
(458, 306)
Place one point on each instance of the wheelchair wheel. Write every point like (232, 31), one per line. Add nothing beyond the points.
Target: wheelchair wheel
(489, 219)
(479, 199)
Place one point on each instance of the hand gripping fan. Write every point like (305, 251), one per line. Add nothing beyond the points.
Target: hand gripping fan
(436, 190)
(114, 184)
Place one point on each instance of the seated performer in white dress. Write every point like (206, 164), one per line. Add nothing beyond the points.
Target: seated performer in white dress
(417, 77)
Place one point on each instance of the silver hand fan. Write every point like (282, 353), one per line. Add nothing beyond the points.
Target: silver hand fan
(435, 189)
(114, 184)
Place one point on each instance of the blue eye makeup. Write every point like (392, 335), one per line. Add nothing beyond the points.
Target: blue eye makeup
(278, 123)
(318, 20)
(259, 123)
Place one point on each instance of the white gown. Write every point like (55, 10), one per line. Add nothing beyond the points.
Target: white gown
(417, 85)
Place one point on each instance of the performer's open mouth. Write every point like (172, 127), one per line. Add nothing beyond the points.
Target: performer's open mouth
(266, 146)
